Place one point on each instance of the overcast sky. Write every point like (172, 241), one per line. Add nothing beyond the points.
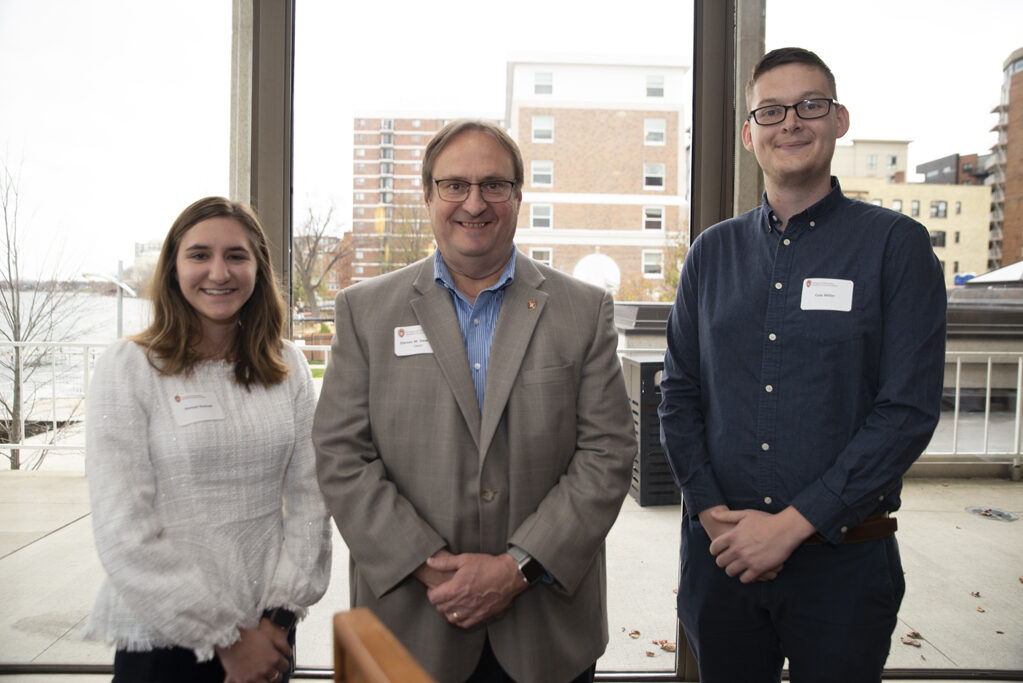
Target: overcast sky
(115, 113)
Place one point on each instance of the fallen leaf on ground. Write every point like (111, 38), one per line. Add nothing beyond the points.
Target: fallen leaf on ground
(634, 634)
(668, 647)
(913, 634)
(649, 653)
(975, 594)
(1001, 633)
(910, 641)
(981, 609)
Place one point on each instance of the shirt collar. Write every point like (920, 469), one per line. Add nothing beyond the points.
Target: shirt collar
(813, 213)
(442, 276)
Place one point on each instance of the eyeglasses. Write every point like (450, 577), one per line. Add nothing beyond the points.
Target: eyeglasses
(807, 109)
(492, 191)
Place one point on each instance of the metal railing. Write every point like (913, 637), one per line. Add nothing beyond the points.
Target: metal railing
(981, 423)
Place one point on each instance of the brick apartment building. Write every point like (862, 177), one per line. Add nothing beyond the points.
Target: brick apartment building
(1006, 176)
(606, 164)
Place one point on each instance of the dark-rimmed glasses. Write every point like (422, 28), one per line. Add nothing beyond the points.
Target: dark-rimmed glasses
(492, 191)
(772, 114)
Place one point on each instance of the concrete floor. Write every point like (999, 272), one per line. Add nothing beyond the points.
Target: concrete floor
(49, 575)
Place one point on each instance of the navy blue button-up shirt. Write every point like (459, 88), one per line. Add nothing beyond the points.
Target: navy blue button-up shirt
(804, 367)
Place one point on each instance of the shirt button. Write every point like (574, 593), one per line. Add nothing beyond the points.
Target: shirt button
(777, 285)
(844, 529)
(772, 336)
(880, 497)
(765, 446)
(476, 365)
(768, 500)
(488, 495)
(769, 388)
(475, 321)
(786, 242)
(813, 223)
(774, 217)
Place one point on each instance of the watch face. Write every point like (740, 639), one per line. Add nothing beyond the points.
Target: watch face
(533, 570)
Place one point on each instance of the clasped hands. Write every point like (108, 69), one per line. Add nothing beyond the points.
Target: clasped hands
(470, 588)
(753, 545)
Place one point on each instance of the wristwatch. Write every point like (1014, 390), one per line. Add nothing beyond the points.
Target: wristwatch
(283, 619)
(531, 570)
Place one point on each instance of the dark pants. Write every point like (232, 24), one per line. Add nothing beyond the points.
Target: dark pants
(489, 670)
(173, 665)
(831, 611)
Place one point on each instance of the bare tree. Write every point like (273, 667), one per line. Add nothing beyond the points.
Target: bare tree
(315, 252)
(31, 310)
(409, 236)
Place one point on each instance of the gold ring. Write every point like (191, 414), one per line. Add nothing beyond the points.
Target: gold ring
(454, 615)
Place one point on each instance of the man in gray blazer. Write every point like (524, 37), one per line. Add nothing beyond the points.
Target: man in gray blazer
(474, 439)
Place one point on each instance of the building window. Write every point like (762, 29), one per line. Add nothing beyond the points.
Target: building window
(386, 138)
(360, 181)
(417, 181)
(655, 86)
(360, 137)
(386, 197)
(654, 131)
(957, 237)
(387, 168)
(653, 176)
(543, 129)
(416, 138)
(362, 123)
(939, 209)
(543, 83)
(360, 152)
(386, 153)
(360, 196)
(914, 208)
(897, 205)
(544, 256)
(542, 174)
(416, 123)
(877, 202)
(955, 266)
(387, 124)
(871, 162)
(387, 183)
(653, 263)
(893, 161)
(416, 152)
(541, 216)
(959, 208)
(653, 217)
(937, 238)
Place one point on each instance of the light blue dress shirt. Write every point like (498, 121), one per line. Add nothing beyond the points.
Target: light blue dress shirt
(477, 320)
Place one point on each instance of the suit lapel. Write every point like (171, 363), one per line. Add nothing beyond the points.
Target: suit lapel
(435, 312)
(520, 311)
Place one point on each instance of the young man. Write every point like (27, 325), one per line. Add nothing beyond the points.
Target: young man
(474, 438)
(802, 378)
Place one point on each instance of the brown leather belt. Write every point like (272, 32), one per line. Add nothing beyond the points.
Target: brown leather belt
(876, 526)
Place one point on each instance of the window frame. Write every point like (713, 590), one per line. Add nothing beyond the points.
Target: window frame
(533, 217)
(534, 171)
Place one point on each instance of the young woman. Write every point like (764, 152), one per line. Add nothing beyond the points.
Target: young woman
(206, 511)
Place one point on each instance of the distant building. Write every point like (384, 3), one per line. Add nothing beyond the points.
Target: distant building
(884, 159)
(955, 215)
(390, 226)
(955, 169)
(1006, 177)
(607, 177)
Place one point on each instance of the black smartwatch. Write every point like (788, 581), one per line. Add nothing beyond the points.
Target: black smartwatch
(531, 569)
(283, 619)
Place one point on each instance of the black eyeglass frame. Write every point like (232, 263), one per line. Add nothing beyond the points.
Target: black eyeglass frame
(795, 107)
(510, 183)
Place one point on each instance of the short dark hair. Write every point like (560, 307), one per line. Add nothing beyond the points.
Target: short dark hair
(449, 132)
(783, 56)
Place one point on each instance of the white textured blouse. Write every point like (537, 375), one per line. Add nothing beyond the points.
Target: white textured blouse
(205, 505)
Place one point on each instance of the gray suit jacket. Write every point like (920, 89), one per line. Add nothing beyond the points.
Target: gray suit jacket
(409, 465)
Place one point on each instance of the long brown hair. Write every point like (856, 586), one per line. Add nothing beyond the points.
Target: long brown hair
(172, 338)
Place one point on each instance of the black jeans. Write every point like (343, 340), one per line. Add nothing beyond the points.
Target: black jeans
(173, 665)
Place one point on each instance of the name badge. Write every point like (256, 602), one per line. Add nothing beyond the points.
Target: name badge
(196, 407)
(825, 294)
(410, 341)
